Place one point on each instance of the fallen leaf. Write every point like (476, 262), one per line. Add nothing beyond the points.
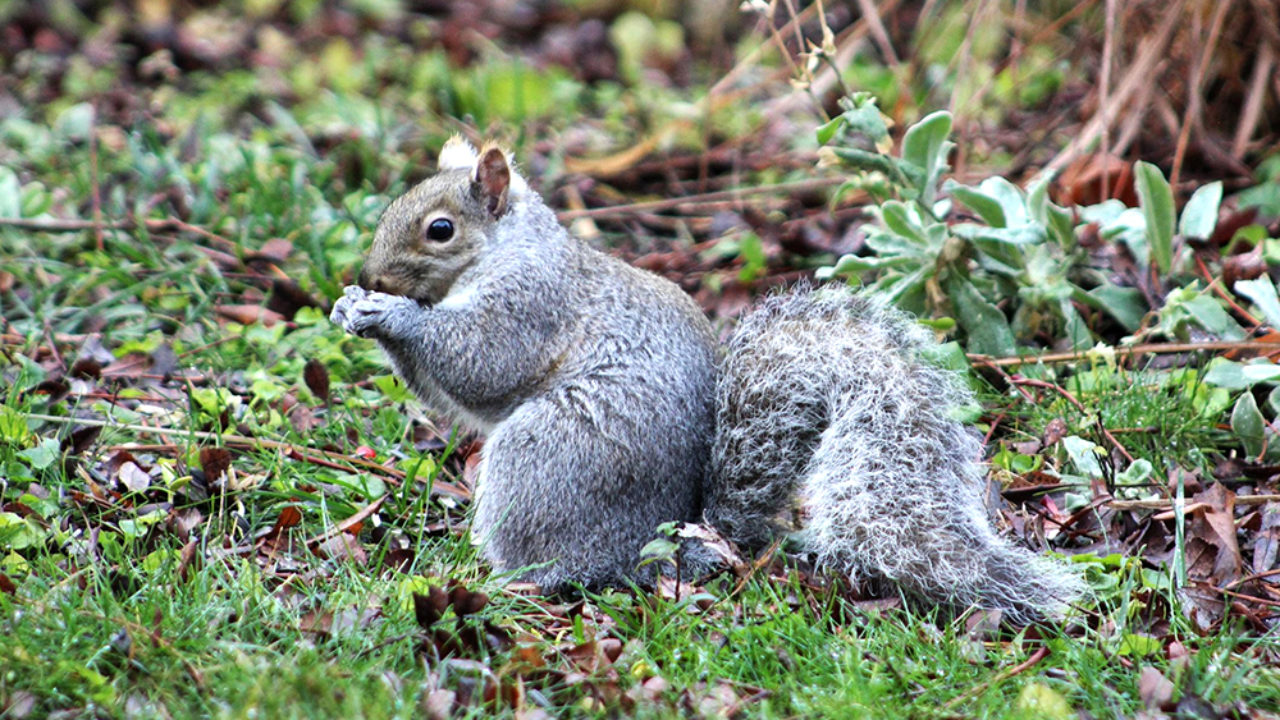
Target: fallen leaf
(249, 314)
(1155, 689)
(316, 375)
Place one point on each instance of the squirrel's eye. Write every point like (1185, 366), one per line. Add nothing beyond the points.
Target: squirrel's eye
(440, 230)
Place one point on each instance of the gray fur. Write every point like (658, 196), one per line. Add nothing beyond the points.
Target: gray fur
(596, 384)
(823, 395)
(593, 381)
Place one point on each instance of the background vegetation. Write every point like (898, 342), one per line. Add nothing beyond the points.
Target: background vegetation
(213, 503)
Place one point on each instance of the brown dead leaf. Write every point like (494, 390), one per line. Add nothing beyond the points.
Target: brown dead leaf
(1213, 555)
(187, 557)
(1243, 266)
(287, 297)
(276, 249)
(429, 608)
(132, 477)
(1090, 179)
(7, 586)
(1155, 689)
(650, 691)
(331, 623)
(86, 368)
(1054, 431)
(81, 439)
(342, 546)
(19, 705)
(215, 461)
(249, 314)
(466, 602)
(316, 375)
(717, 701)
(438, 704)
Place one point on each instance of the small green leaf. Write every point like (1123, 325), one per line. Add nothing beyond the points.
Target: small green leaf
(1208, 312)
(13, 426)
(1263, 294)
(1200, 216)
(10, 193)
(897, 218)
(925, 145)
(828, 130)
(1134, 645)
(987, 328)
(863, 117)
(1227, 374)
(1041, 701)
(1084, 455)
(1259, 372)
(1156, 198)
(1248, 424)
(987, 208)
(1126, 305)
(43, 455)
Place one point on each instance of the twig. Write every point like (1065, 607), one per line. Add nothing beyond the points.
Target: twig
(1250, 598)
(715, 196)
(394, 476)
(1169, 504)
(151, 225)
(1079, 406)
(1041, 653)
(1141, 74)
(357, 517)
(1195, 85)
(1218, 290)
(1143, 349)
(1251, 578)
(1252, 111)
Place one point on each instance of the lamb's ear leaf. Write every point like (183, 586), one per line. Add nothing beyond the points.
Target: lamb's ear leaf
(493, 179)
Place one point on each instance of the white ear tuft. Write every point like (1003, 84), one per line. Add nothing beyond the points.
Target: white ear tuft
(457, 154)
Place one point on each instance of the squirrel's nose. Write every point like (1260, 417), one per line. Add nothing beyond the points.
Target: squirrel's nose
(366, 281)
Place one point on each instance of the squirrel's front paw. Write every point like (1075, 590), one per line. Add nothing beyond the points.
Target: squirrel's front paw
(342, 308)
(374, 315)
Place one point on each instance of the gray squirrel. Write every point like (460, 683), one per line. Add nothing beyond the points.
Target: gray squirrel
(609, 408)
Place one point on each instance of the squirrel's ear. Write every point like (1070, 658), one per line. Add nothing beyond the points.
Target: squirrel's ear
(457, 154)
(492, 179)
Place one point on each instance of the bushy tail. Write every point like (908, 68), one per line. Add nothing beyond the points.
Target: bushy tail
(823, 395)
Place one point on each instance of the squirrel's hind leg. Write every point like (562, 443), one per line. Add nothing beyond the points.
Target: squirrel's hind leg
(543, 500)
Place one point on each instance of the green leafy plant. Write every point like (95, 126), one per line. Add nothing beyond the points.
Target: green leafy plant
(1009, 269)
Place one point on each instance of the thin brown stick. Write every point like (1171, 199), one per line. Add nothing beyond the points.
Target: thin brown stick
(1080, 406)
(715, 196)
(311, 455)
(878, 32)
(1226, 297)
(357, 517)
(154, 225)
(1254, 101)
(1195, 98)
(1140, 74)
(1250, 598)
(1169, 504)
(1041, 653)
(1258, 346)
(1251, 578)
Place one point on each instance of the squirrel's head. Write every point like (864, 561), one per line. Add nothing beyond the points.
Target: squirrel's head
(431, 235)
